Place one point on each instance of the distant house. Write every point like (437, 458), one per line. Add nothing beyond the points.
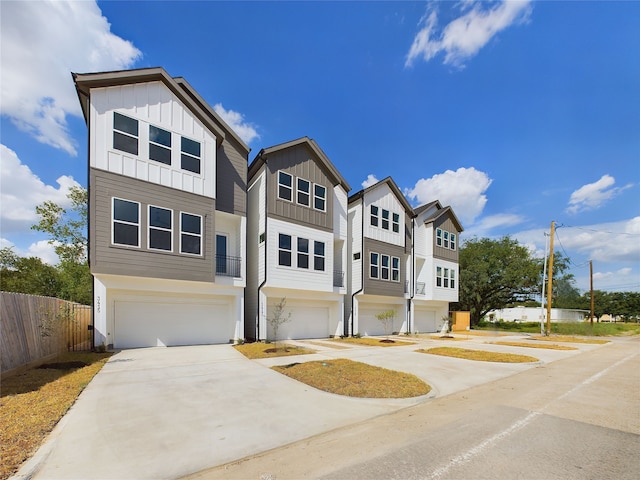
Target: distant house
(296, 235)
(167, 212)
(537, 314)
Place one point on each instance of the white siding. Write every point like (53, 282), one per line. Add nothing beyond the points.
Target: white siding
(340, 212)
(384, 198)
(150, 103)
(355, 241)
(442, 293)
(423, 241)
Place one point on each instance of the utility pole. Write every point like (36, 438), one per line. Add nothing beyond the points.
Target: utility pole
(591, 289)
(550, 284)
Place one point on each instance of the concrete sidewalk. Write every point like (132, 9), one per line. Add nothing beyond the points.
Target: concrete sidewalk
(169, 412)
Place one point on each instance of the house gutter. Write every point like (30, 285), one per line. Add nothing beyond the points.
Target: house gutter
(346, 333)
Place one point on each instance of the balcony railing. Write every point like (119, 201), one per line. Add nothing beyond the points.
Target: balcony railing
(338, 278)
(420, 288)
(228, 266)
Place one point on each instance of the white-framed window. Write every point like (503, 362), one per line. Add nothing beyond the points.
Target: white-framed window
(374, 215)
(125, 133)
(303, 192)
(125, 223)
(452, 278)
(159, 145)
(374, 271)
(319, 197)
(284, 250)
(385, 269)
(445, 277)
(395, 269)
(439, 237)
(222, 261)
(438, 276)
(190, 233)
(396, 222)
(452, 241)
(445, 239)
(160, 236)
(318, 256)
(285, 186)
(303, 253)
(385, 219)
(190, 155)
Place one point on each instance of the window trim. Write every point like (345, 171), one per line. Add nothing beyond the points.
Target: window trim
(126, 134)
(323, 198)
(302, 253)
(190, 155)
(439, 237)
(123, 222)
(395, 222)
(319, 256)
(281, 185)
(299, 191)
(162, 229)
(374, 216)
(385, 219)
(375, 264)
(385, 268)
(452, 241)
(200, 236)
(285, 250)
(394, 269)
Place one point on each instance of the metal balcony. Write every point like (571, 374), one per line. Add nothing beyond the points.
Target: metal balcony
(228, 266)
(338, 278)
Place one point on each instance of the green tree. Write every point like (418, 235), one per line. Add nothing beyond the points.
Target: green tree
(28, 275)
(67, 230)
(278, 318)
(495, 274)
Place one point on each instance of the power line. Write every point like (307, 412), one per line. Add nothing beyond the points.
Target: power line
(600, 231)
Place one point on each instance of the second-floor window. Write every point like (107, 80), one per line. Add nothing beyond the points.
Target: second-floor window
(284, 250)
(125, 133)
(445, 277)
(303, 253)
(126, 223)
(159, 145)
(318, 256)
(160, 231)
(190, 233)
(384, 267)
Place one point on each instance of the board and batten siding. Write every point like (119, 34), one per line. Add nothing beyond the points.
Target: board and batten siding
(355, 247)
(340, 224)
(106, 258)
(383, 197)
(373, 286)
(154, 104)
(300, 162)
(231, 178)
(445, 223)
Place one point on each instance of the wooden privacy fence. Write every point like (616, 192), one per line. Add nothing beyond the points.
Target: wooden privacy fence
(34, 329)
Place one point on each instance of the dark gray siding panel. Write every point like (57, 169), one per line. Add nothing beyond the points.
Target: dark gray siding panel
(298, 161)
(117, 260)
(231, 179)
(445, 223)
(374, 286)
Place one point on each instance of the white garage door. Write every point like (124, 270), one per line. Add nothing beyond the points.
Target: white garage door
(425, 321)
(306, 322)
(158, 321)
(368, 324)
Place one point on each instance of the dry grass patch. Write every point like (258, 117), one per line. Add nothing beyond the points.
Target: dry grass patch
(269, 350)
(355, 379)
(569, 339)
(33, 402)
(552, 346)
(373, 341)
(479, 355)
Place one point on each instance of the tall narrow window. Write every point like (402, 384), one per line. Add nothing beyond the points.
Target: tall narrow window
(125, 133)
(190, 233)
(438, 276)
(452, 276)
(385, 268)
(303, 193)
(221, 254)
(159, 145)
(385, 219)
(452, 241)
(395, 269)
(396, 223)
(126, 223)
(319, 197)
(303, 253)
(375, 265)
(160, 231)
(318, 256)
(284, 250)
(439, 237)
(190, 155)
(445, 242)
(374, 216)
(285, 186)
(445, 278)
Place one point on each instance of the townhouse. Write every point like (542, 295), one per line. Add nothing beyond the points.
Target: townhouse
(167, 212)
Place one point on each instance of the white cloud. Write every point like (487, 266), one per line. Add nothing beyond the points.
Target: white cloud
(464, 190)
(370, 180)
(236, 121)
(486, 224)
(41, 249)
(594, 195)
(42, 42)
(22, 190)
(464, 36)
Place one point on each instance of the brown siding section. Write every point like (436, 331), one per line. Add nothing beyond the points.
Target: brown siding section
(374, 286)
(298, 161)
(445, 223)
(408, 233)
(119, 260)
(231, 179)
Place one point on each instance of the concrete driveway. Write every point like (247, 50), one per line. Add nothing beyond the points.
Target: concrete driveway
(169, 412)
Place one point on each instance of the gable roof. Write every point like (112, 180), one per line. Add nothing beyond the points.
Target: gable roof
(263, 155)
(445, 211)
(178, 86)
(394, 188)
(423, 208)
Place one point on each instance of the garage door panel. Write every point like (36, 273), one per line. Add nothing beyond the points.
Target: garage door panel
(425, 321)
(368, 324)
(306, 322)
(148, 323)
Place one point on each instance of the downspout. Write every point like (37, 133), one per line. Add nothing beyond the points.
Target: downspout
(346, 333)
(266, 270)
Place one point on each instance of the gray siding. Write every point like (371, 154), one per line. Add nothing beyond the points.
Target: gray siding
(298, 161)
(374, 286)
(445, 223)
(119, 260)
(231, 178)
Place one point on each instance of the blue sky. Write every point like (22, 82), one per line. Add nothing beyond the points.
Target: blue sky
(514, 113)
